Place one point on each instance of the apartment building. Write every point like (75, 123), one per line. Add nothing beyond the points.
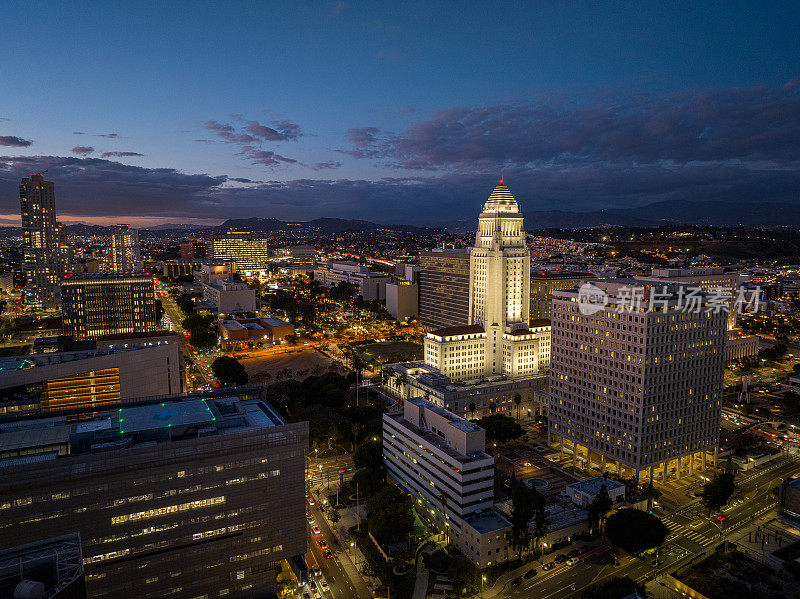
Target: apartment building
(635, 385)
(189, 497)
(440, 459)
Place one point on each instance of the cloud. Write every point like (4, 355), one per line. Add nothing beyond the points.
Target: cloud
(741, 124)
(120, 154)
(4, 120)
(329, 164)
(82, 150)
(14, 142)
(254, 134)
(78, 133)
(108, 135)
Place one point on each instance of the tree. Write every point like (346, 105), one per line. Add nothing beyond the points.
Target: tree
(500, 427)
(390, 515)
(292, 339)
(517, 401)
(203, 338)
(369, 456)
(522, 510)
(634, 530)
(541, 523)
(718, 491)
(229, 371)
(599, 507)
(335, 516)
(614, 588)
(159, 310)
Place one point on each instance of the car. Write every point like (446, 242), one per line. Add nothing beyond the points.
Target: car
(516, 581)
(560, 558)
(574, 553)
(316, 530)
(720, 518)
(311, 501)
(531, 573)
(549, 566)
(573, 560)
(323, 544)
(316, 571)
(328, 554)
(586, 548)
(324, 585)
(655, 563)
(310, 520)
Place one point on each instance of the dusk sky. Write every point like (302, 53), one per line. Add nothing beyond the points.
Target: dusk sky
(402, 112)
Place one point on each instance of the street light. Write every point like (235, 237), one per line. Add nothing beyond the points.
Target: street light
(483, 579)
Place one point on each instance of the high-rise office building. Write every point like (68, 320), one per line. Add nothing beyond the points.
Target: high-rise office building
(190, 496)
(45, 251)
(123, 251)
(444, 288)
(636, 385)
(249, 251)
(544, 283)
(108, 304)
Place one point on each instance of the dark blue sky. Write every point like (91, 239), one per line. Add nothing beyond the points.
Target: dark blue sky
(396, 112)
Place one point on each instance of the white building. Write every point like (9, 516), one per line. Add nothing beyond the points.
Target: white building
(440, 459)
(635, 387)
(498, 338)
(371, 285)
(230, 297)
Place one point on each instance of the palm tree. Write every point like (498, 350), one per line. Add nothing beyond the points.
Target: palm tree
(517, 401)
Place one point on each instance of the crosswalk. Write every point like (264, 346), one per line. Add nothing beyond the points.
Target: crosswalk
(677, 530)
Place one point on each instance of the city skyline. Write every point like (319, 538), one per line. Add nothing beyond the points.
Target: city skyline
(398, 115)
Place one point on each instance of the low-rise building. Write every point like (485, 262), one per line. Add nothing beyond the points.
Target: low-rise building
(229, 297)
(440, 459)
(50, 567)
(371, 285)
(738, 345)
(470, 398)
(583, 492)
(250, 333)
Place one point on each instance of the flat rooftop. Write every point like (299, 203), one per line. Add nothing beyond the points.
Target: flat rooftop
(132, 426)
(487, 522)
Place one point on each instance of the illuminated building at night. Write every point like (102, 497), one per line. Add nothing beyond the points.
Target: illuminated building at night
(249, 251)
(498, 343)
(108, 304)
(123, 250)
(544, 283)
(45, 251)
(636, 391)
(444, 287)
(98, 379)
(186, 496)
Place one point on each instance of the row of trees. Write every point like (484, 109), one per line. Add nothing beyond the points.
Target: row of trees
(202, 329)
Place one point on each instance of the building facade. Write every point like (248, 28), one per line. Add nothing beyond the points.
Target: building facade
(544, 283)
(440, 459)
(196, 496)
(249, 251)
(635, 386)
(444, 288)
(44, 259)
(230, 297)
(108, 304)
(95, 379)
(402, 300)
(123, 251)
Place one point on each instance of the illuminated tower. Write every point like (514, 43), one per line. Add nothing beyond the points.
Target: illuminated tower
(44, 258)
(499, 275)
(123, 253)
